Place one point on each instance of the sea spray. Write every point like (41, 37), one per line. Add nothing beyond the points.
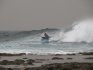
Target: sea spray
(82, 31)
(57, 36)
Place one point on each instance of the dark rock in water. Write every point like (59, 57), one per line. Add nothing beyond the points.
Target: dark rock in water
(57, 58)
(69, 58)
(9, 54)
(87, 53)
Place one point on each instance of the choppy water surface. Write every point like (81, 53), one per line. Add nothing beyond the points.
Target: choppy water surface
(32, 44)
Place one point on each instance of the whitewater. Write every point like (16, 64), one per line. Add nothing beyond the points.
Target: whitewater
(81, 31)
(78, 39)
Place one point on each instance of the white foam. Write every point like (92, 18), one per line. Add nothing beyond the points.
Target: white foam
(82, 31)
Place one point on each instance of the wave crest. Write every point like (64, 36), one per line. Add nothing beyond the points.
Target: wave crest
(82, 31)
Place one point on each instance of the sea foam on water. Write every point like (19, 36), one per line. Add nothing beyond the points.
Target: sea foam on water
(82, 31)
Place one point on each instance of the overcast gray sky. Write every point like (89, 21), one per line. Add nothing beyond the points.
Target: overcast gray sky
(38, 14)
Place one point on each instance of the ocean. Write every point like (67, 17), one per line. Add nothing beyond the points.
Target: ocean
(30, 42)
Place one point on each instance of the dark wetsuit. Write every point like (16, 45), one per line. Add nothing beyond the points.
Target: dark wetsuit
(46, 36)
(45, 39)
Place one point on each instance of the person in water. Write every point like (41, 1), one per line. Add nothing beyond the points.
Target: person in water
(45, 36)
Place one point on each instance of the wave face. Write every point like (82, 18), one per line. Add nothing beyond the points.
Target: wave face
(76, 40)
(81, 32)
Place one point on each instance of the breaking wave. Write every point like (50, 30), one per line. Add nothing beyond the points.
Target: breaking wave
(82, 31)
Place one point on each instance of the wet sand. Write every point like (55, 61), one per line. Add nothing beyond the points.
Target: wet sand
(39, 60)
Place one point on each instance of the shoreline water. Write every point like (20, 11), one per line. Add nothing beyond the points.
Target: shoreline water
(14, 54)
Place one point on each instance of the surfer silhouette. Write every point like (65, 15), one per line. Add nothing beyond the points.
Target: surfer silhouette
(45, 38)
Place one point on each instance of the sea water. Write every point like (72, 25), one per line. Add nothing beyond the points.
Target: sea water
(33, 45)
(78, 39)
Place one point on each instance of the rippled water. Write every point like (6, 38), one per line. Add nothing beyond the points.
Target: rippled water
(32, 44)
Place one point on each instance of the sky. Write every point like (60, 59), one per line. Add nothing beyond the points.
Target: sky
(18, 15)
